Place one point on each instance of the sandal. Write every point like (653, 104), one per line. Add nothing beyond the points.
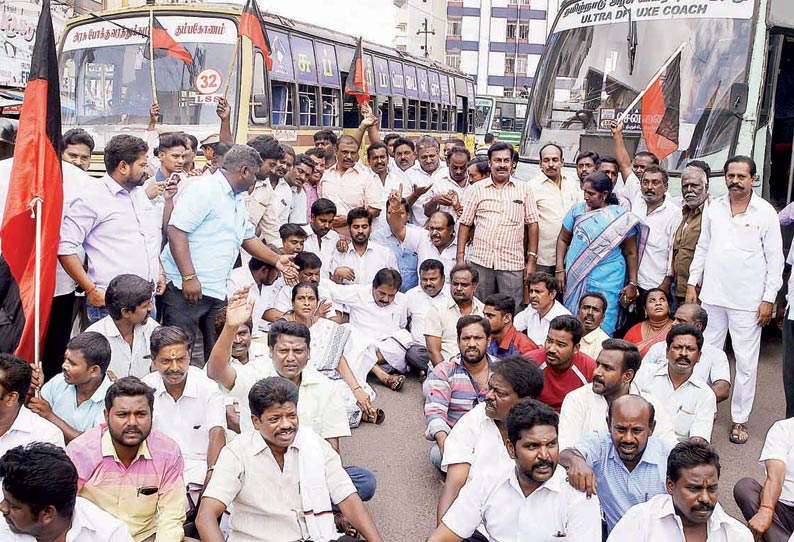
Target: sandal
(739, 433)
(396, 383)
(422, 376)
(380, 416)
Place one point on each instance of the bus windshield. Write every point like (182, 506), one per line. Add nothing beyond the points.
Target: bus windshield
(483, 115)
(588, 75)
(106, 77)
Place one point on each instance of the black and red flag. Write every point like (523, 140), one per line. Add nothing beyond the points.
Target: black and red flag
(163, 45)
(661, 109)
(356, 82)
(252, 27)
(36, 177)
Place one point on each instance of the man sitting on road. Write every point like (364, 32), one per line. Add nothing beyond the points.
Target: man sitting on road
(505, 339)
(363, 257)
(418, 302)
(592, 309)
(543, 307)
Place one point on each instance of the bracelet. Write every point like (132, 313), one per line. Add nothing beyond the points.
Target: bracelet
(357, 388)
(91, 290)
(210, 469)
(186, 278)
(559, 270)
(535, 254)
(772, 508)
(634, 284)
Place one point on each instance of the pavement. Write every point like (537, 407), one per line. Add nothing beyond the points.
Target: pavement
(404, 506)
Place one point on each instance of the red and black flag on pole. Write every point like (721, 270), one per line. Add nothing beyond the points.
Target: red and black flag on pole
(163, 45)
(35, 194)
(661, 109)
(251, 27)
(356, 82)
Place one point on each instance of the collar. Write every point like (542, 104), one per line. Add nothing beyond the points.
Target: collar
(223, 183)
(593, 336)
(101, 391)
(351, 248)
(112, 185)
(24, 422)
(688, 211)
(310, 376)
(487, 183)
(555, 483)
(654, 453)
(509, 338)
(191, 385)
(667, 202)
(664, 370)
(665, 508)
(109, 451)
(259, 446)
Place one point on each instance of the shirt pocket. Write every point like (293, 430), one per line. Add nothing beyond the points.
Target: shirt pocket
(683, 421)
(747, 237)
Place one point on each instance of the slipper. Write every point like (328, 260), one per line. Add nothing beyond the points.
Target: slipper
(739, 433)
(379, 417)
(397, 383)
(422, 376)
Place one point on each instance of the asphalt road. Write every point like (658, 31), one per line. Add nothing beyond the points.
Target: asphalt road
(408, 486)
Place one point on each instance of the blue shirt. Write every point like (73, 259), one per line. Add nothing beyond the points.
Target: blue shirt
(407, 261)
(619, 489)
(62, 397)
(216, 222)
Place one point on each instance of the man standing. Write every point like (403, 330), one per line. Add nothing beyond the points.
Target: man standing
(320, 235)
(505, 340)
(688, 400)
(506, 216)
(379, 163)
(363, 258)
(592, 309)
(111, 223)
(554, 195)
(429, 173)
(207, 228)
(530, 499)
(688, 511)
(77, 148)
(586, 164)
(740, 244)
(543, 307)
(261, 201)
(446, 194)
(282, 191)
(129, 470)
(564, 367)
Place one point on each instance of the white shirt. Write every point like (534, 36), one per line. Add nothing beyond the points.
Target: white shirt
(712, 366)
(189, 419)
(373, 322)
(284, 201)
(29, 427)
(583, 411)
(779, 445)
(656, 521)
(394, 178)
(555, 510)
(325, 288)
(126, 361)
(417, 303)
(442, 320)
(297, 214)
(475, 440)
(745, 250)
(662, 223)
(536, 328)
(75, 181)
(325, 252)
(365, 266)
(89, 524)
(692, 405)
(418, 240)
(419, 178)
(591, 343)
(443, 185)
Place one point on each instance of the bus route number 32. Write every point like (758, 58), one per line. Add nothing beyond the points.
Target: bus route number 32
(208, 81)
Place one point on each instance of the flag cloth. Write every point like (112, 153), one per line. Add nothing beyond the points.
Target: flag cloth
(36, 173)
(164, 45)
(660, 110)
(356, 82)
(252, 27)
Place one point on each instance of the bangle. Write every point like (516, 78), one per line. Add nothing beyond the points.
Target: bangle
(210, 469)
(772, 508)
(631, 282)
(559, 270)
(357, 387)
(91, 289)
(186, 278)
(535, 254)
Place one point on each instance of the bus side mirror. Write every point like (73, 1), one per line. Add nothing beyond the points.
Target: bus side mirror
(259, 104)
(738, 103)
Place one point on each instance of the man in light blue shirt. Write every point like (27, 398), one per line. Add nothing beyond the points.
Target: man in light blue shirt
(624, 467)
(206, 229)
(75, 399)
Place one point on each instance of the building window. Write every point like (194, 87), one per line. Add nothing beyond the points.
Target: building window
(521, 64)
(402, 27)
(508, 92)
(523, 31)
(401, 48)
(454, 27)
(512, 28)
(453, 61)
(510, 65)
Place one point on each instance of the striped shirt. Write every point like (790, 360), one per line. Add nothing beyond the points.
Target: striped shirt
(501, 215)
(149, 495)
(450, 393)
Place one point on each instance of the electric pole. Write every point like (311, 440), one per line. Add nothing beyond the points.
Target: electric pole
(426, 32)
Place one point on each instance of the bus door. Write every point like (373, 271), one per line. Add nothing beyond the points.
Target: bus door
(779, 102)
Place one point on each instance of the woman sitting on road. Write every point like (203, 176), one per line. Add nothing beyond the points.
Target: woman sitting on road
(655, 328)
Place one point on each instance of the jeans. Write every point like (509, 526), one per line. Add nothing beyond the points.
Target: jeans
(436, 457)
(364, 482)
(95, 314)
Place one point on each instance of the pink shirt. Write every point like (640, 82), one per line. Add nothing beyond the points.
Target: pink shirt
(349, 190)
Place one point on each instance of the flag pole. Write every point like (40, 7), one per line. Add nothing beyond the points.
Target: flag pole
(232, 64)
(35, 207)
(151, 54)
(640, 96)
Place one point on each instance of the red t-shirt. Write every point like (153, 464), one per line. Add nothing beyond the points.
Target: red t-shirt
(557, 385)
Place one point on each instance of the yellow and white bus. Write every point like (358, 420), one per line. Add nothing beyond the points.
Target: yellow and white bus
(106, 84)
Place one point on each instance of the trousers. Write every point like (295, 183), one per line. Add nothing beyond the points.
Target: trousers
(494, 281)
(747, 493)
(192, 318)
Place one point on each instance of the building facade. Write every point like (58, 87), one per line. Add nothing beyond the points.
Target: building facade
(498, 42)
(420, 28)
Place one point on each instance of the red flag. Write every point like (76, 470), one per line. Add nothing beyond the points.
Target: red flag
(36, 173)
(252, 28)
(660, 110)
(356, 82)
(164, 45)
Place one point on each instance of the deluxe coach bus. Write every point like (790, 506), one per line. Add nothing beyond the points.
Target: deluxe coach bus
(106, 84)
(737, 82)
(503, 117)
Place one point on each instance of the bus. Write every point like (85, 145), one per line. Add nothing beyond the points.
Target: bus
(503, 117)
(106, 85)
(736, 82)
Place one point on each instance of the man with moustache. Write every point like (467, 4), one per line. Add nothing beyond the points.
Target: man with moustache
(689, 511)
(407, 260)
(303, 471)
(554, 195)
(260, 202)
(363, 257)
(695, 189)
(609, 166)
(456, 386)
(586, 164)
(110, 222)
(311, 186)
(632, 170)
(282, 191)
(592, 309)
(429, 173)
(321, 238)
(188, 406)
(584, 410)
(688, 400)
(625, 465)
(298, 178)
(505, 340)
(405, 160)
(446, 194)
(739, 245)
(378, 159)
(418, 301)
(542, 309)
(129, 470)
(77, 148)
(529, 499)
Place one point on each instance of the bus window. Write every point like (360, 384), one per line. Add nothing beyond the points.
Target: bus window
(424, 114)
(259, 102)
(445, 118)
(307, 105)
(413, 113)
(434, 115)
(330, 101)
(383, 112)
(283, 98)
(399, 113)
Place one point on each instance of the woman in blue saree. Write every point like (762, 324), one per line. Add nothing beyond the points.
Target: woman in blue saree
(599, 249)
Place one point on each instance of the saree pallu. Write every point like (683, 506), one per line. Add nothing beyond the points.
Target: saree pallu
(595, 262)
